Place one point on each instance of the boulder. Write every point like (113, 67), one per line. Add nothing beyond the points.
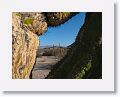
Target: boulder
(84, 59)
(25, 30)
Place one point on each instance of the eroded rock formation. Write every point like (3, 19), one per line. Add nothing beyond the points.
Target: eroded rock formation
(26, 27)
(25, 30)
(84, 59)
(58, 18)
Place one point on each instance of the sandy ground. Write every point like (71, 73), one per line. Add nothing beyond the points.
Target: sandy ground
(43, 66)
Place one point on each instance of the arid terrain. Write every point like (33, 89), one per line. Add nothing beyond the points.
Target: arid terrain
(46, 58)
(80, 60)
(43, 66)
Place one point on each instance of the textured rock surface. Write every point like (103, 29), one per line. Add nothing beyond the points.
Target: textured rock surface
(25, 42)
(84, 59)
(58, 18)
(26, 27)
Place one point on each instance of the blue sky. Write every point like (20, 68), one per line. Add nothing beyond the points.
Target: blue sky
(64, 34)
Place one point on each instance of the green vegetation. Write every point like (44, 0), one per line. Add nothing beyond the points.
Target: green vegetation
(19, 14)
(84, 59)
(88, 66)
(84, 70)
(28, 21)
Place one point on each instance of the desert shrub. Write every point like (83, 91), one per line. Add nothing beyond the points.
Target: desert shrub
(38, 54)
(55, 51)
(48, 53)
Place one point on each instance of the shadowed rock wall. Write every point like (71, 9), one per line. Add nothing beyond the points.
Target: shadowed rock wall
(84, 59)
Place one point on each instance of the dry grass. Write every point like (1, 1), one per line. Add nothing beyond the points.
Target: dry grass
(55, 51)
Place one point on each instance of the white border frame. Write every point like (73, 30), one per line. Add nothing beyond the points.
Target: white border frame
(104, 84)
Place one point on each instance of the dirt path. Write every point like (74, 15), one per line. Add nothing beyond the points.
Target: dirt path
(43, 66)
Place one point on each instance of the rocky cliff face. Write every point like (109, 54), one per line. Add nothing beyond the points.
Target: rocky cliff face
(58, 18)
(26, 27)
(84, 59)
(25, 30)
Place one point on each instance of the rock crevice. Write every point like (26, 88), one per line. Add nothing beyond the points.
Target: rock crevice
(26, 27)
(25, 42)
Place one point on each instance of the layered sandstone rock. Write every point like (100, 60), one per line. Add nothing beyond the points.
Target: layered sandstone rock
(25, 30)
(26, 27)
